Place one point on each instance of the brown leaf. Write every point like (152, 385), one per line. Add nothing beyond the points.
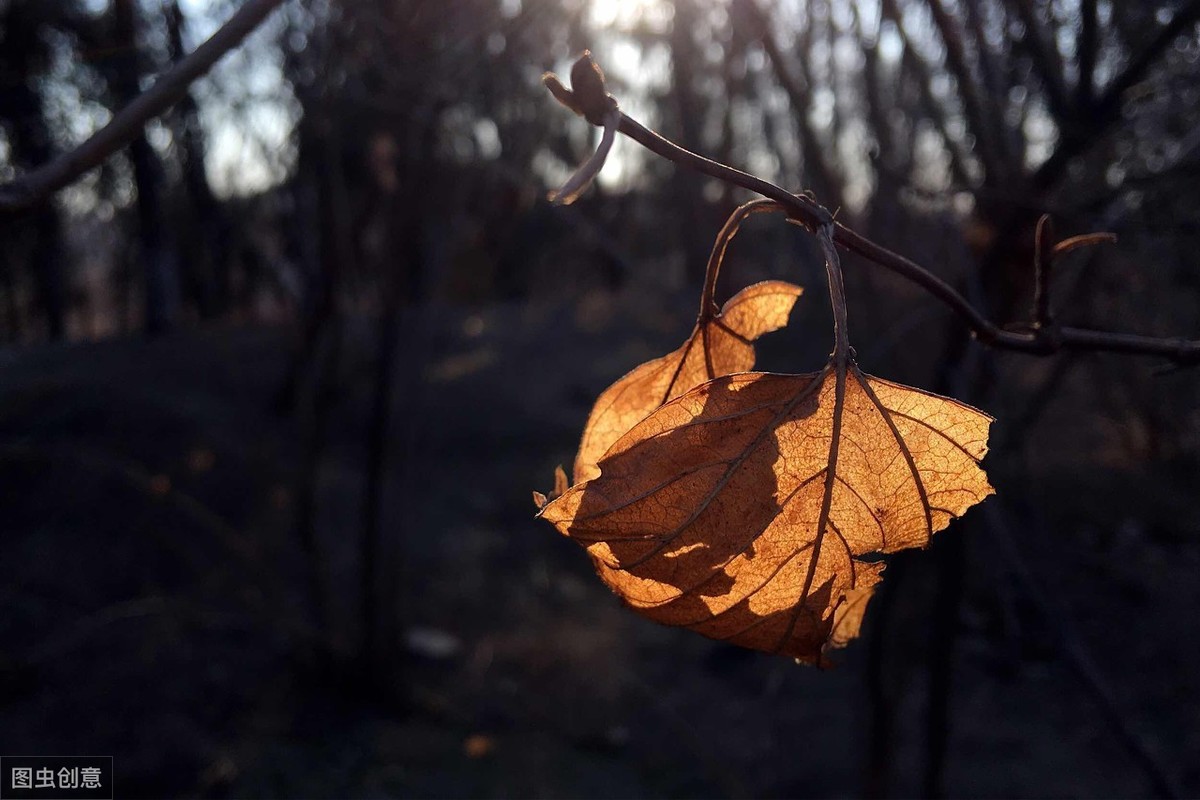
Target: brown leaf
(751, 509)
(719, 345)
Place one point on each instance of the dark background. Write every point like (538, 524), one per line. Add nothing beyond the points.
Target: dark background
(277, 380)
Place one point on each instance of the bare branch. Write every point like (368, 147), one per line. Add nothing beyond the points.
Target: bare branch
(1045, 251)
(582, 178)
(812, 215)
(36, 186)
(1043, 262)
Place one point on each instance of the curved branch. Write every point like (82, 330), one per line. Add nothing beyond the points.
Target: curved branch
(34, 187)
(815, 217)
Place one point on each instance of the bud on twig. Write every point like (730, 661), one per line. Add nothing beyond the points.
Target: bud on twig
(588, 97)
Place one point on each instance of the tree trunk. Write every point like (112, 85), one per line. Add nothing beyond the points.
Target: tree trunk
(158, 257)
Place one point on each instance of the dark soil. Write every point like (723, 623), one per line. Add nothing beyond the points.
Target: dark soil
(157, 603)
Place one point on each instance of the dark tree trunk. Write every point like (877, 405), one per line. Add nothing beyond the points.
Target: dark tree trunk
(160, 263)
(201, 225)
(32, 239)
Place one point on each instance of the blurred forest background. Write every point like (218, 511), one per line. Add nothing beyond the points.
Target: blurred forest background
(277, 379)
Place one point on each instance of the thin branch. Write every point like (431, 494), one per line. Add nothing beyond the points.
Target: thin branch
(837, 301)
(1045, 251)
(1043, 263)
(593, 102)
(36, 186)
(708, 306)
(582, 178)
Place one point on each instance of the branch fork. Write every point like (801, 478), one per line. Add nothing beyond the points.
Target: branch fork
(590, 98)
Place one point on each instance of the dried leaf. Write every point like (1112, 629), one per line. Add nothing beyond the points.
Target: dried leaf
(719, 345)
(752, 508)
(560, 487)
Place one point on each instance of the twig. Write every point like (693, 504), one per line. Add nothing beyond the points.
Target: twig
(1045, 251)
(594, 103)
(582, 178)
(1083, 240)
(708, 305)
(1043, 263)
(34, 187)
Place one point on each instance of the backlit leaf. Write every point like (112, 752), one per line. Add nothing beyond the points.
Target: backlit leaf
(720, 345)
(753, 508)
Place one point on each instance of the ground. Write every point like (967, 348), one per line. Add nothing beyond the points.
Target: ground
(157, 603)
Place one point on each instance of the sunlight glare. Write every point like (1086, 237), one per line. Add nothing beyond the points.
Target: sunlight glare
(621, 14)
